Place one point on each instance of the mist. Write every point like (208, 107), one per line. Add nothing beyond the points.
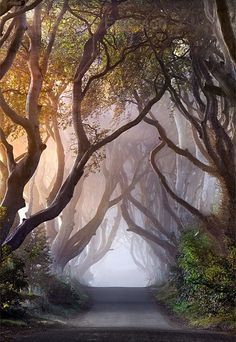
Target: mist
(117, 169)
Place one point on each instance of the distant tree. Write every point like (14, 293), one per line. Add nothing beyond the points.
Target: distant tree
(209, 113)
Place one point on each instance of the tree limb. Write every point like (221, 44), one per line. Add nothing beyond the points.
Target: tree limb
(226, 27)
(20, 28)
(178, 150)
(16, 13)
(9, 151)
(15, 239)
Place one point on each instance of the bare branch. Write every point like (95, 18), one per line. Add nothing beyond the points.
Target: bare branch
(134, 122)
(185, 204)
(157, 224)
(178, 150)
(132, 226)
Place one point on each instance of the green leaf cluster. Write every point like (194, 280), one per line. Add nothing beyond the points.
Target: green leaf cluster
(205, 280)
(12, 282)
(31, 287)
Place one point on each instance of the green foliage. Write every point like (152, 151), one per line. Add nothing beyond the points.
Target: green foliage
(12, 282)
(27, 285)
(60, 292)
(58, 297)
(204, 281)
(46, 289)
(36, 251)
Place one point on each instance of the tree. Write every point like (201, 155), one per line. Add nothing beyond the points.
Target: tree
(209, 116)
(22, 171)
(114, 41)
(96, 249)
(153, 230)
(220, 14)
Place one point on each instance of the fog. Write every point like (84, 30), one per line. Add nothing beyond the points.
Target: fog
(121, 246)
(117, 268)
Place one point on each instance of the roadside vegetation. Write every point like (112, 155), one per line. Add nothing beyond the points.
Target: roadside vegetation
(30, 292)
(77, 79)
(202, 289)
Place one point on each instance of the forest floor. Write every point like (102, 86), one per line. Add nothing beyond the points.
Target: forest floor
(117, 314)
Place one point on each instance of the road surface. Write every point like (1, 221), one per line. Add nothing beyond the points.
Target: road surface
(122, 307)
(122, 315)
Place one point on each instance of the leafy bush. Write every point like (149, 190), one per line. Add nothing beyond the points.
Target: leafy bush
(59, 292)
(38, 266)
(12, 282)
(30, 288)
(55, 290)
(204, 280)
(58, 298)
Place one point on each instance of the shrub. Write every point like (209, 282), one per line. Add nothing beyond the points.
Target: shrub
(205, 281)
(36, 251)
(59, 292)
(12, 282)
(30, 287)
